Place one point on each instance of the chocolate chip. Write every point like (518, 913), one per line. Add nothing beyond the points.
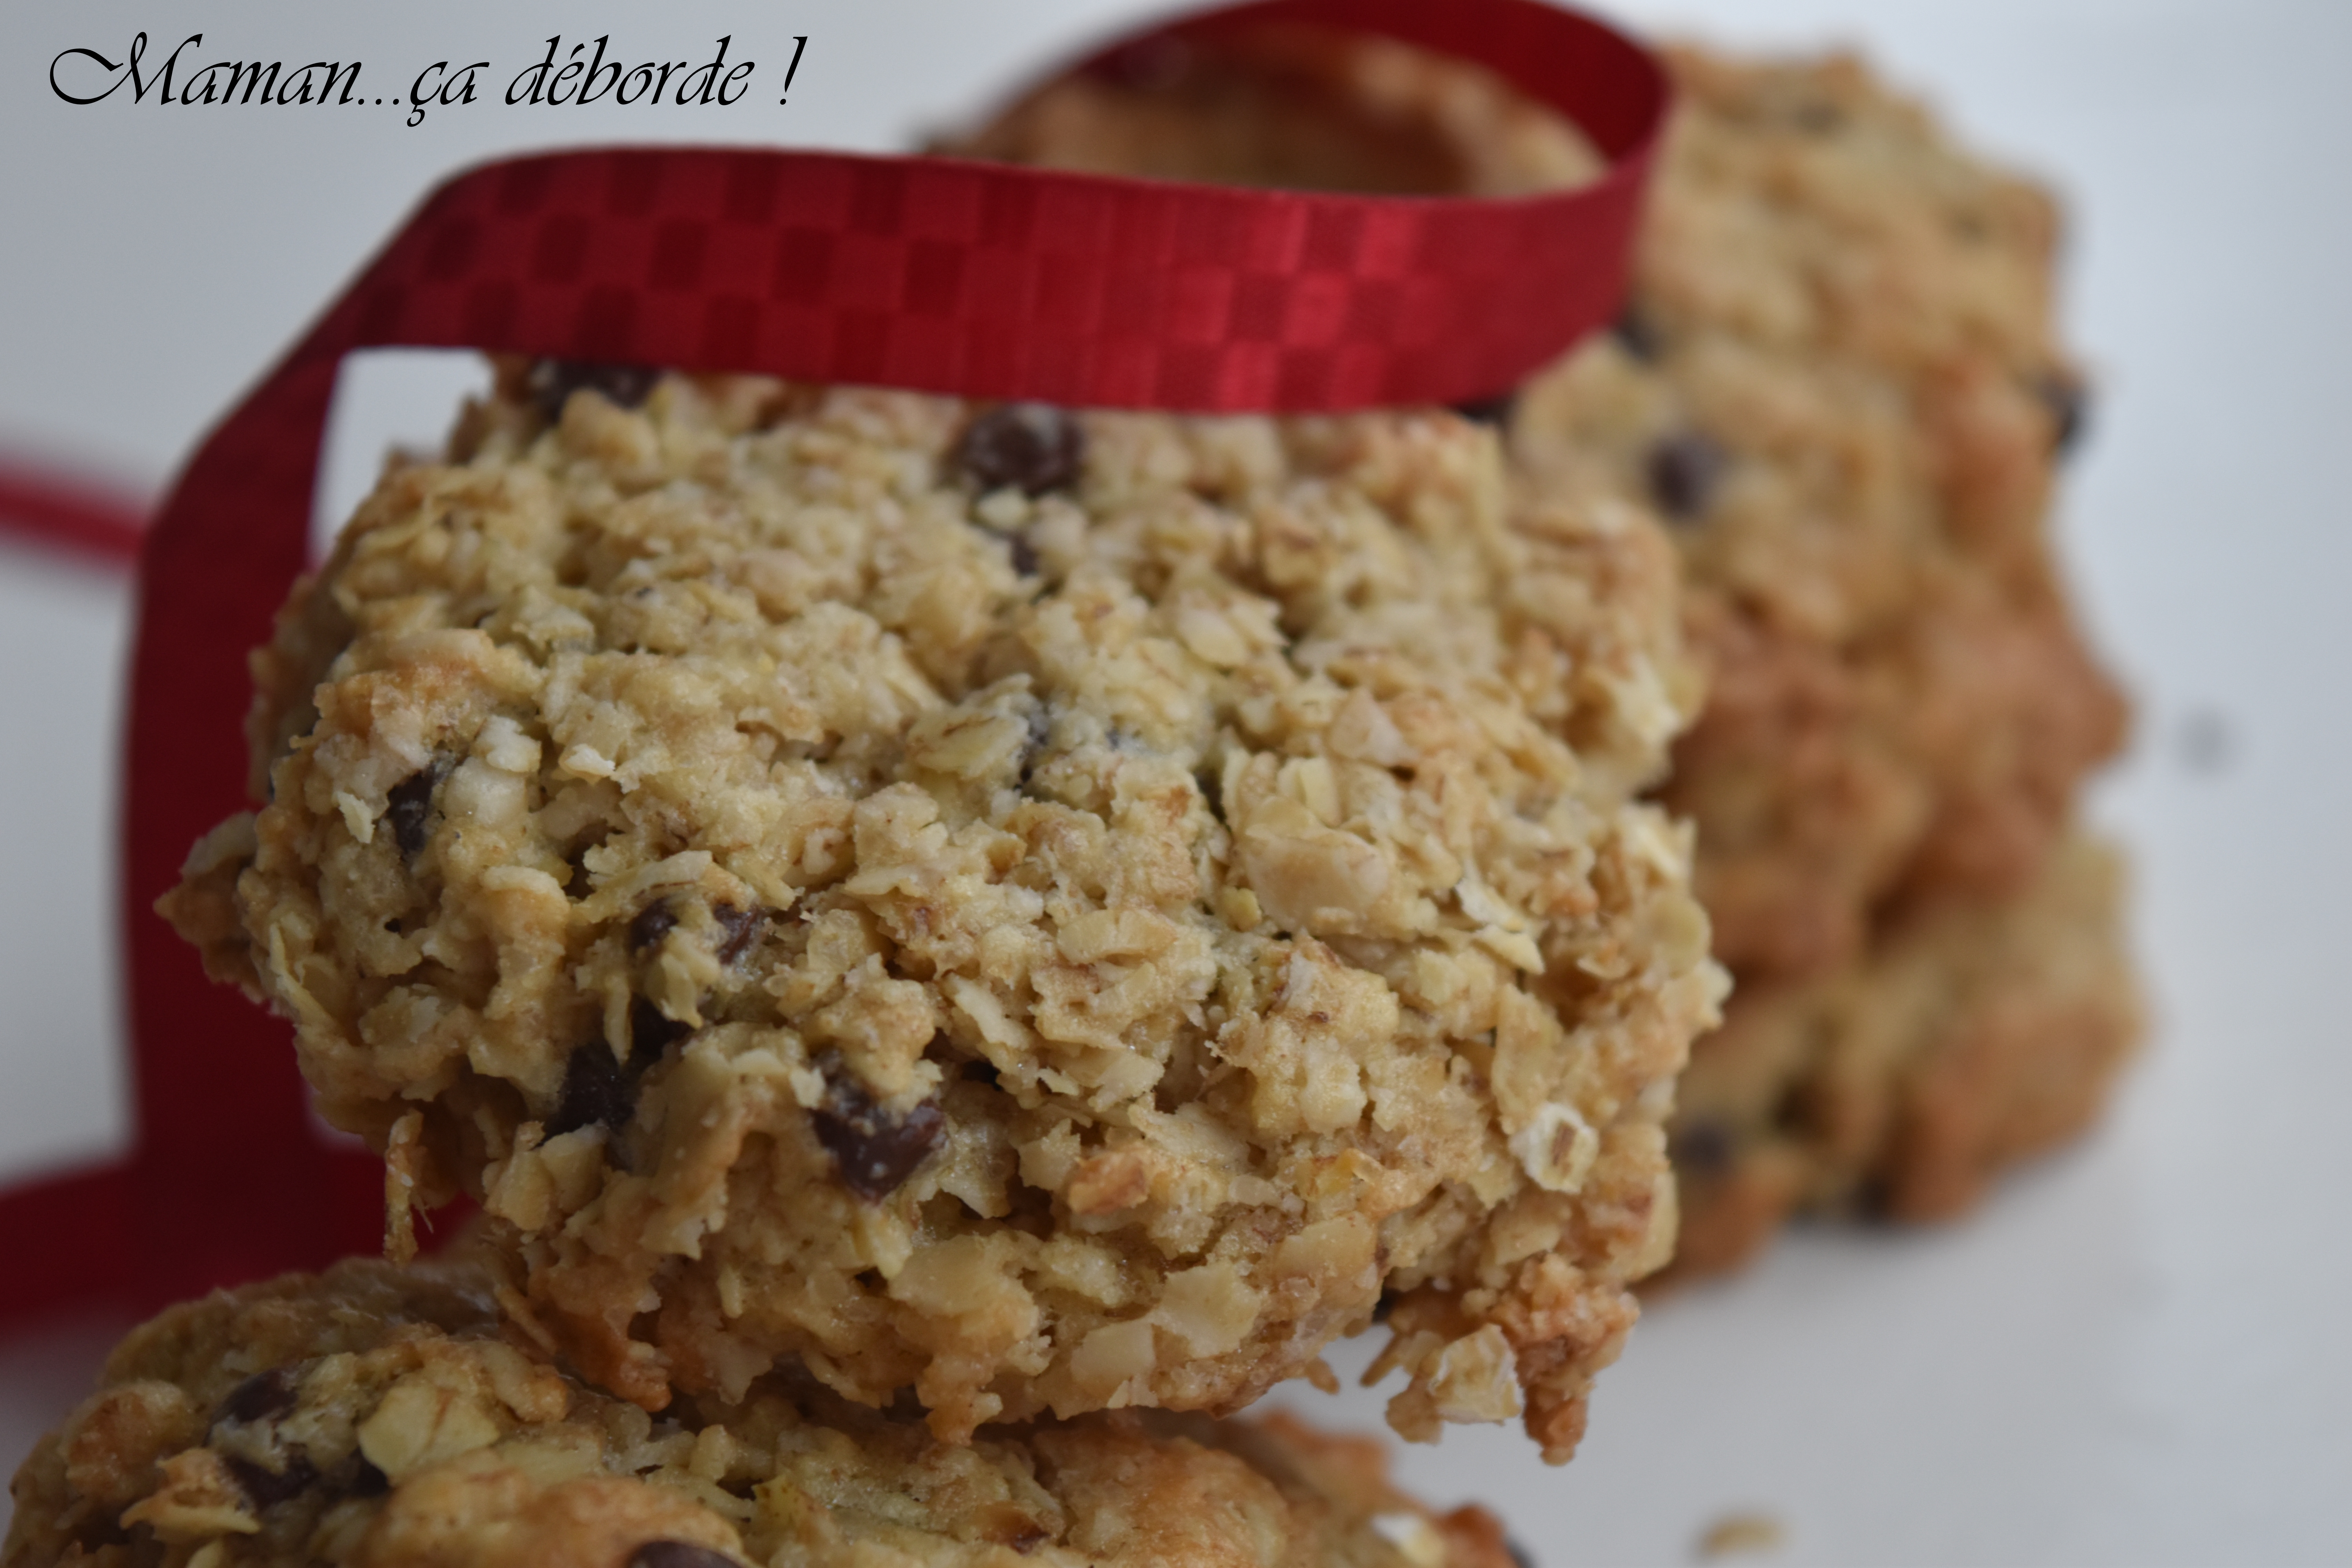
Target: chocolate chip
(1032, 446)
(743, 929)
(655, 921)
(407, 807)
(260, 1396)
(1213, 794)
(876, 1150)
(1519, 1554)
(1024, 554)
(553, 381)
(2069, 402)
(1026, 1540)
(1637, 334)
(369, 1481)
(1033, 750)
(1685, 468)
(1702, 1148)
(266, 1487)
(598, 1091)
(653, 1031)
(1495, 410)
(678, 1554)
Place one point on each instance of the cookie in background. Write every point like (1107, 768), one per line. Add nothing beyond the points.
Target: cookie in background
(1838, 383)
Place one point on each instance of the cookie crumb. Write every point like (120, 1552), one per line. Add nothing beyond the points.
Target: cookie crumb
(1740, 1532)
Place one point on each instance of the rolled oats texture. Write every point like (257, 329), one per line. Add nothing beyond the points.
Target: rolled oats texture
(374, 1417)
(1054, 951)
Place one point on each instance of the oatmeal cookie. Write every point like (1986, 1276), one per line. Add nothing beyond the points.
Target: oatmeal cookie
(374, 1418)
(1967, 1037)
(1292, 107)
(1838, 382)
(1049, 911)
(1838, 386)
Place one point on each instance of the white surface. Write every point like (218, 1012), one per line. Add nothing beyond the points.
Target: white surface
(2137, 1353)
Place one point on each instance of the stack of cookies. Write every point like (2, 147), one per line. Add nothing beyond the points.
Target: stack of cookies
(952, 946)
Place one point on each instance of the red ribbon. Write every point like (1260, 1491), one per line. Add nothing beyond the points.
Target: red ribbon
(68, 514)
(928, 273)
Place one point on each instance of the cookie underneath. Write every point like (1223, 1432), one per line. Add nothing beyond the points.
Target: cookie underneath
(372, 1417)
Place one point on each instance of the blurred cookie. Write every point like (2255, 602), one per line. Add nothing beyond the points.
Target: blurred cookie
(1967, 1037)
(1838, 382)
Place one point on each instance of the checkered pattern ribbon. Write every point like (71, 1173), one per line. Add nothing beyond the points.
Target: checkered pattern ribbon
(927, 273)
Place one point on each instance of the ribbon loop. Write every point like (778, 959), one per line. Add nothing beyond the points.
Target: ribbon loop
(933, 274)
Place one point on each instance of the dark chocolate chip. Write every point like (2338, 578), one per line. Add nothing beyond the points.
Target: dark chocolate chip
(1041, 732)
(1798, 1111)
(1212, 785)
(1637, 334)
(1701, 1149)
(653, 1031)
(876, 1150)
(598, 1091)
(260, 1396)
(553, 381)
(1024, 554)
(1033, 445)
(266, 1487)
(2069, 402)
(1496, 410)
(408, 806)
(1685, 468)
(743, 929)
(1519, 1554)
(655, 921)
(678, 1554)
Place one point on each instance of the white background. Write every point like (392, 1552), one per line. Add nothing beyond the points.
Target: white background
(2140, 1353)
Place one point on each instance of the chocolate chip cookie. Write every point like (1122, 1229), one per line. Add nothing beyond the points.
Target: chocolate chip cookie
(1027, 910)
(374, 1418)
